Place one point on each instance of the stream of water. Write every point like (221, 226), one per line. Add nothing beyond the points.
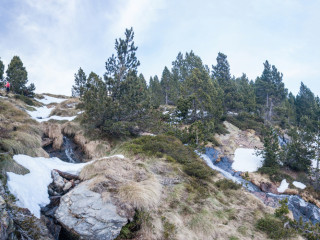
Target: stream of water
(299, 207)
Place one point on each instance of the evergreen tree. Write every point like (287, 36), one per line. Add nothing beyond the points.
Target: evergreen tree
(155, 92)
(299, 151)
(271, 152)
(119, 66)
(17, 75)
(221, 71)
(270, 90)
(247, 94)
(168, 87)
(306, 106)
(80, 80)
(115, 105)
(1, 72)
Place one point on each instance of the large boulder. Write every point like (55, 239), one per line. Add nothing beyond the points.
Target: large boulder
(83, 213)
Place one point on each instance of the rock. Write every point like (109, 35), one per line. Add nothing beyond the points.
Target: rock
(268, 187)
(267, 200)
(67, 176)
(84, 214)
(67, 186)
(46, 141)
(58, 181)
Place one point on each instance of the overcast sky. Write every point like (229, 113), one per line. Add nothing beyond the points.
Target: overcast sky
(55, 38)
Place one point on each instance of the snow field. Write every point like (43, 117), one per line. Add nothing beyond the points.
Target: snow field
(245, 160)
(47, 100)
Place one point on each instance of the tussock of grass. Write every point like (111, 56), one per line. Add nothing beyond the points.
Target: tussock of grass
(70, 128)
(141, 195)
(172, 149)
(7, 164)
(225, 184)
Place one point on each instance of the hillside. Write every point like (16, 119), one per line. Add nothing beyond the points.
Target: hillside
(157, 184)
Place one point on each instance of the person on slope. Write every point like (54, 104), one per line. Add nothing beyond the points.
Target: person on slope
(7, 86)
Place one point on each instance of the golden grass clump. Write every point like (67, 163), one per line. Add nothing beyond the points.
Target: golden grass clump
(142, 195)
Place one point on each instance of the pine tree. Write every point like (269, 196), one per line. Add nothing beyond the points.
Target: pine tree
(168, 86)
(119, 66)
(270, 90)
(299, 151)
(271, 152)
(1, 72)
(221, 71)
(80, 80)
(155, 92)
(17, 76)
(306, 106)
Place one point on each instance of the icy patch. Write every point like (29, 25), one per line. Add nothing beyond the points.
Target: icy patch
(47, 100)
(283, 186)
(299, 185)
(41, 114)
(245, 160)
(211, 165)
(31, 189)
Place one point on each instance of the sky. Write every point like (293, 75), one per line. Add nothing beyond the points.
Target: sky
(54, 38)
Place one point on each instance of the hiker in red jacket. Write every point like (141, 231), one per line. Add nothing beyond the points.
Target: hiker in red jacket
(7, 87)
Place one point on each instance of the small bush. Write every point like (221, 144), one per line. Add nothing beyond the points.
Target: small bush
(275, 174)
(247, 121)
(129, 231)
(225, 184)
(171, 148)
(274, 228)
(25, 99)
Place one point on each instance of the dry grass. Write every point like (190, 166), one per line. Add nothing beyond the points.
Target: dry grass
(143, 195)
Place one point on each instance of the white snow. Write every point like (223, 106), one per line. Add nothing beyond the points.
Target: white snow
(41, 114)
(210, 164)
(299, 185)
(245, 160)
(47, 100)
(31, 189)
(283, 186)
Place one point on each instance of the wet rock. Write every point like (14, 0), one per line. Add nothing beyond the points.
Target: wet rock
(67, 186)
(267, 199)
(84, 214)
(46, 142)
(268, 187)
(58, 181)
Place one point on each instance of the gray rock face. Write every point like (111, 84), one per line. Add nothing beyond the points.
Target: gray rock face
(83, 213)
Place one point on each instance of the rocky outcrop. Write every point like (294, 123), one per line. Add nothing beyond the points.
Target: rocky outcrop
(84, 213)
(261, 181)
(236, 138)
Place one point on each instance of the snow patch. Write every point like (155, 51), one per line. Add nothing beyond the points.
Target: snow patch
(31, 189)
(47, 100)
(283, 186)
(41, 114)
(245, 160)
(299, 185)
